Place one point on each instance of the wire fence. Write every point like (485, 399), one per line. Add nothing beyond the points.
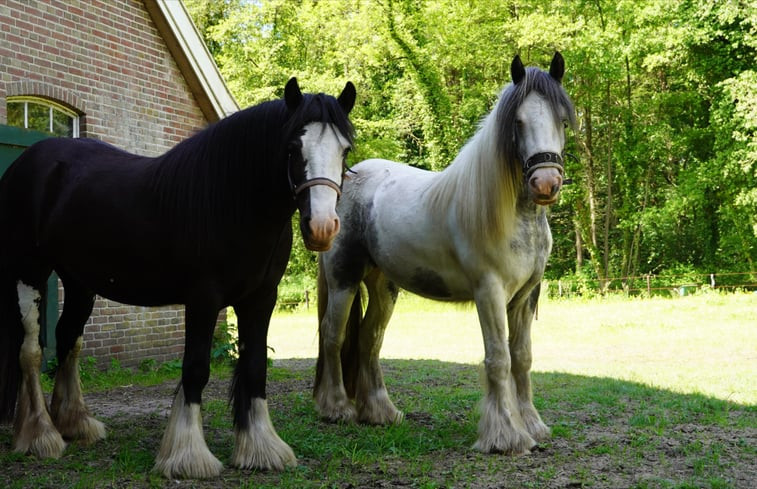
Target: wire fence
(650, 285)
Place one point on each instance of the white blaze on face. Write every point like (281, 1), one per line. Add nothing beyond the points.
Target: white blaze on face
(323, 149)
(539, 132)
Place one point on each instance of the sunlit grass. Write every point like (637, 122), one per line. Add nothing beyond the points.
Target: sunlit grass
(704, 343)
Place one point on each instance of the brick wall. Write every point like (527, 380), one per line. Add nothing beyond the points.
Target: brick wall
(107, 61)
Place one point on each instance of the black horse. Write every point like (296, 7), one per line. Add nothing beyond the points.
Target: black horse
(207, 225)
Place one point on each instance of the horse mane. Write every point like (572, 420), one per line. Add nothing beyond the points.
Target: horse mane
(236, 168)
(485, 180)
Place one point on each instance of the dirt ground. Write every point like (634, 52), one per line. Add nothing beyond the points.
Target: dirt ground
(573, 462)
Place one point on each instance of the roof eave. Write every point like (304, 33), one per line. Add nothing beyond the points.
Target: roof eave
(193, 58)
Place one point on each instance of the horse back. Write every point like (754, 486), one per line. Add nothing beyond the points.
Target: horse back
(60, 182)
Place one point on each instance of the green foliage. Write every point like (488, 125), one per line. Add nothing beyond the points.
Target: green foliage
(224, 347)
(665, 90)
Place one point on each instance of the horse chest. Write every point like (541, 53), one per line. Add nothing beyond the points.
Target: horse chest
(523, 257)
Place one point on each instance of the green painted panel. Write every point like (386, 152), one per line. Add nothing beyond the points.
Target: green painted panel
(13, 142)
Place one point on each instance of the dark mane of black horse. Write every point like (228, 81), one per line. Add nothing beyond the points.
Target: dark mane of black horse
(512, 98)
(203, 183)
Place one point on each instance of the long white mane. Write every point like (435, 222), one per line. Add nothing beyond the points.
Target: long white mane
(481, 186)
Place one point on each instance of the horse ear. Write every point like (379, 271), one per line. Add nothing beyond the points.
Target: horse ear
(557, 68)
(292, 94)
(517, 71)
(347, 98)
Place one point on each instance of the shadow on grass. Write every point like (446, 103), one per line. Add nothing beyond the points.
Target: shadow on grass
(605, 433)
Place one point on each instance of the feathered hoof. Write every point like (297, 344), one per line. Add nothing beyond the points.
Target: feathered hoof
(382, 417)
(338, 413)
(537, 429)
(85, 429)
(258, 446)
(189, 464)
(262, 454)
(47, 444)
(507, 443)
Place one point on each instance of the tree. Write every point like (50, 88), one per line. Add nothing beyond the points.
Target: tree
(664, 90)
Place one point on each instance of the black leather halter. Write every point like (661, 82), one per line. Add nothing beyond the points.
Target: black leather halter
(543, 160)
(547, 160)
(297, 188)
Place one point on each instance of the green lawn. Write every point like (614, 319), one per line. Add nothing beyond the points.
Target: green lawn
(695, 344)
(638, 393)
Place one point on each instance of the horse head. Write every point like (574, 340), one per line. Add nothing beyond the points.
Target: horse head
(316, 159)
(539, 121)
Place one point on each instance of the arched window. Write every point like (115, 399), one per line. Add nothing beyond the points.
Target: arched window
(43, 115)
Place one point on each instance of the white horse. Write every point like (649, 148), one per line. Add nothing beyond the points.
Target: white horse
(475, 231)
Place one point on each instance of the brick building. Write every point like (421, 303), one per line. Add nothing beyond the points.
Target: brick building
(133, 73)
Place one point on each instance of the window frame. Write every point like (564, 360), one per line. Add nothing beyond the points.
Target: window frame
(52, 106)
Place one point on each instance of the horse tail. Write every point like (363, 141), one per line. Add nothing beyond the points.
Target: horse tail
(350, 347)
(11, 338)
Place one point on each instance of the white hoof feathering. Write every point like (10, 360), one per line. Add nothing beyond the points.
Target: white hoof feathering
(534, 425)
(68, 410)
(37, 436)
(183, 452)
(335, 409)
(500, 432)
(376, 408)
(258, 446)
(33, 430)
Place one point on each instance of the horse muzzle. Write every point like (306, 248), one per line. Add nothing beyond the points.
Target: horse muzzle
(318, 234)
(544, 185)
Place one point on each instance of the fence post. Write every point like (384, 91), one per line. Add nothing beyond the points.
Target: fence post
(307, 300)
(649, 285)
(559, 288)
(712, 280)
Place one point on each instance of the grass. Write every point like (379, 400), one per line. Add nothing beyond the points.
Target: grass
(627, 386)
(684, 344)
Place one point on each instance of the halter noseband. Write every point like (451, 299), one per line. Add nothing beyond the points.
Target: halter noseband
(547, 160)
(297, 188)
(543, 160)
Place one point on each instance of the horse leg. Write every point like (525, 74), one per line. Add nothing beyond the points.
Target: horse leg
(519, 320)
(501, 429)
(33, 430)
(67, 408)
(372, 399)
(183, 452)
(257, 445)
(331, 399)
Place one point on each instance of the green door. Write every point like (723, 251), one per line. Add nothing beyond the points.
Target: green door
(13, 142)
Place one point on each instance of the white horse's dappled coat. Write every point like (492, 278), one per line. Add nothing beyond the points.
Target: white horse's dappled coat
(476, 231)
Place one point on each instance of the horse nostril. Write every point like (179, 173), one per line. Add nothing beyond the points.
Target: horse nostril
(336, 225)
(534, 184)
